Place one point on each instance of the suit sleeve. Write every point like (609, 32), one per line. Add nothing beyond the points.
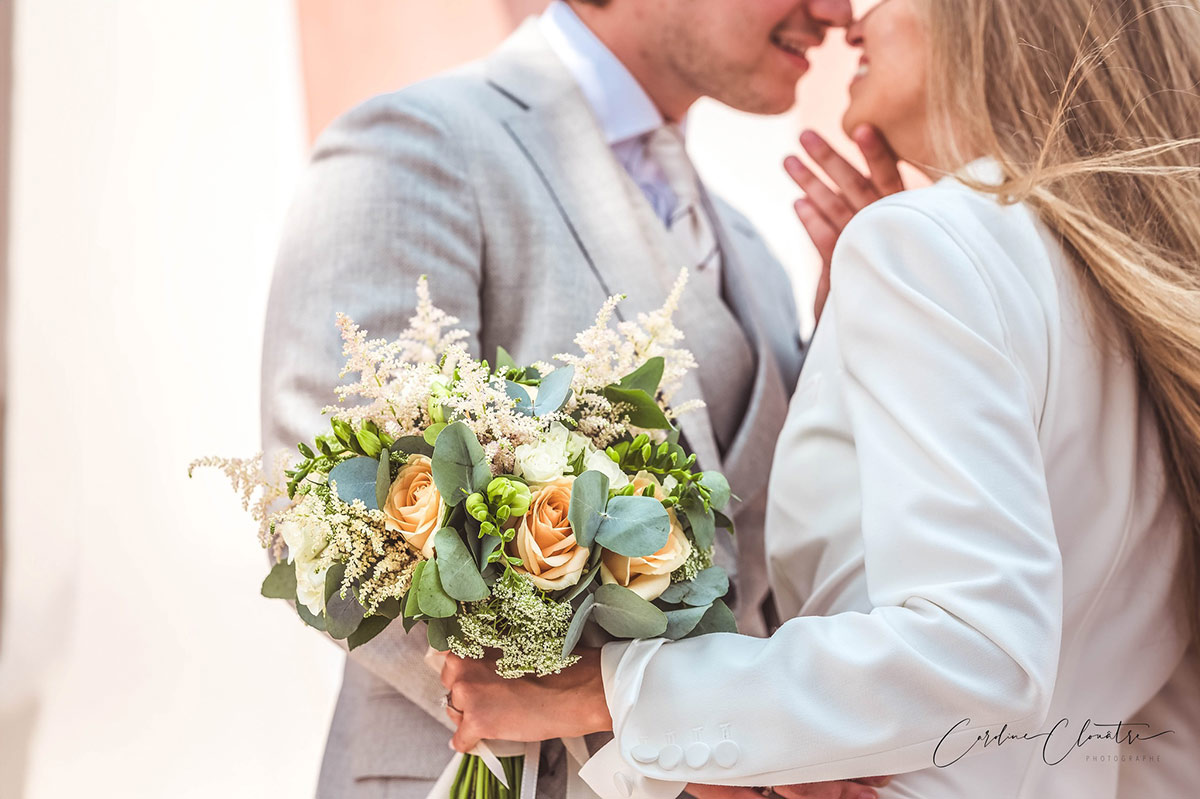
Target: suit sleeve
(385, 200)
(963, 569)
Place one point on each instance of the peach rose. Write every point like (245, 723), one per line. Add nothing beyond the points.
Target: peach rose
(545, 542)
(414, 507)
(648, 576)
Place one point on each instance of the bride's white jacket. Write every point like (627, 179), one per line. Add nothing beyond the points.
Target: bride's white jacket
(969, 528)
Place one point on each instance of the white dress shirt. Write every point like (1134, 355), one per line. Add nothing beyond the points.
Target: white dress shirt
(968, 521)
(625, 112)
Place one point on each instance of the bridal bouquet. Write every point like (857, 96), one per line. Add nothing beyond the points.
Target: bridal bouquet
(508, 508)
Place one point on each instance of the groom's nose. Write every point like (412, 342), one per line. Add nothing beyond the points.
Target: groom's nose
(831, 13)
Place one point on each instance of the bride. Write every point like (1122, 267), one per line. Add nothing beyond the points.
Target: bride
(985, 507)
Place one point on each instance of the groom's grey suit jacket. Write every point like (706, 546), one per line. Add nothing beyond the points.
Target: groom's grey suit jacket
(496, 181)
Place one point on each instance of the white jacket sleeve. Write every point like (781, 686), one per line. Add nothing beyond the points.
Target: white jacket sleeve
(963, 569)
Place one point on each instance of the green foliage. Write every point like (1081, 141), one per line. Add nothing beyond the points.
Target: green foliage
(356, 479)
(682, 621)
(717, 619)
(634, 526)
(624, 614)
(589, 498)
(578, 622)
(432, 598)
(343, 614)
(460, 577)
(460, 466)
(280, 582)
(700, 591)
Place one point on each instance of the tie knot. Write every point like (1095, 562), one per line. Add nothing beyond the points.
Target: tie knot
(665, 146)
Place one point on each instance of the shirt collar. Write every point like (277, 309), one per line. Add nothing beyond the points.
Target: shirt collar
(619, 102)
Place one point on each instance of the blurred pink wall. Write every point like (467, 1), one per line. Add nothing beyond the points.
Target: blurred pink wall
(352, 51)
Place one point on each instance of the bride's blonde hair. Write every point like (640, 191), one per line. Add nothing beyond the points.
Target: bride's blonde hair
(1092, 108)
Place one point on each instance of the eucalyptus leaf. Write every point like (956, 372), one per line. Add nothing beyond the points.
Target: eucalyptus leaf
(646, 377)
(389, 608)
(701, 590)
(355, 479)
(578, 622)
(701, 519)
(716, 483)
(438, 632)
(723, 521)
(553, 391)
(456, 568)
(432, 599)
(645, 411)
(589, 496)
(517, 392)
(432, 432)
(316, 622)
(411, 608)
(504, 361)
(383, 478)
(342, 614)
(371, 626)
(718, 619)
(412, 445)
(280, 582)
(634, 526)
(682, 621)
(488, 545)
(459, 465)
(624, 614)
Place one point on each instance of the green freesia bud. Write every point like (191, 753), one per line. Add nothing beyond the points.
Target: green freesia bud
(506, 493)
(641, 440)
(439, 390)
(647, 453)
(487, 528)
(503, 514)
(477, 507)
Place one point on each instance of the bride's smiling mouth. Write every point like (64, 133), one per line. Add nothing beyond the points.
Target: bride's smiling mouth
(793, 46)
(864, 68)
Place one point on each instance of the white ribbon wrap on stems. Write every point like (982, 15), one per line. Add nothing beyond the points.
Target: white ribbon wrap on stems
(490, 753)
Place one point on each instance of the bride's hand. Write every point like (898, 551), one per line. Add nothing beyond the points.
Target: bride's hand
(839, 789)
(824, 209)
(484, 705)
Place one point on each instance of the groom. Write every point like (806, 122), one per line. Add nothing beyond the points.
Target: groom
(529, 187)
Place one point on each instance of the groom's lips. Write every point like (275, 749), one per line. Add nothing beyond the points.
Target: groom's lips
(794, 49)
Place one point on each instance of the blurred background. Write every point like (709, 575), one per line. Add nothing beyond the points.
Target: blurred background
(148, 152)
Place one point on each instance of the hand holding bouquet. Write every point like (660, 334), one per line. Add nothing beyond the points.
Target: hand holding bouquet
(516, 509)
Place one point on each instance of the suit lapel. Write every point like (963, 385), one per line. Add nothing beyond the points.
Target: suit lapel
(554, 128)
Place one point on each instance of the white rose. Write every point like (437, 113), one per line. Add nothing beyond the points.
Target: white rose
(600, 462)
(310, 585)
(577, 444)
(302, 541)
(542, 462)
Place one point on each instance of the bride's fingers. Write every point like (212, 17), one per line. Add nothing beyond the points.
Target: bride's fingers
(823, 234)
(882, 163)
(825, 790)
(831, 204)
(877, 782)
(858, 190)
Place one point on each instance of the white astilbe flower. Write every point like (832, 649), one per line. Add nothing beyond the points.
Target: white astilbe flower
(258, 490)
(610, 353)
